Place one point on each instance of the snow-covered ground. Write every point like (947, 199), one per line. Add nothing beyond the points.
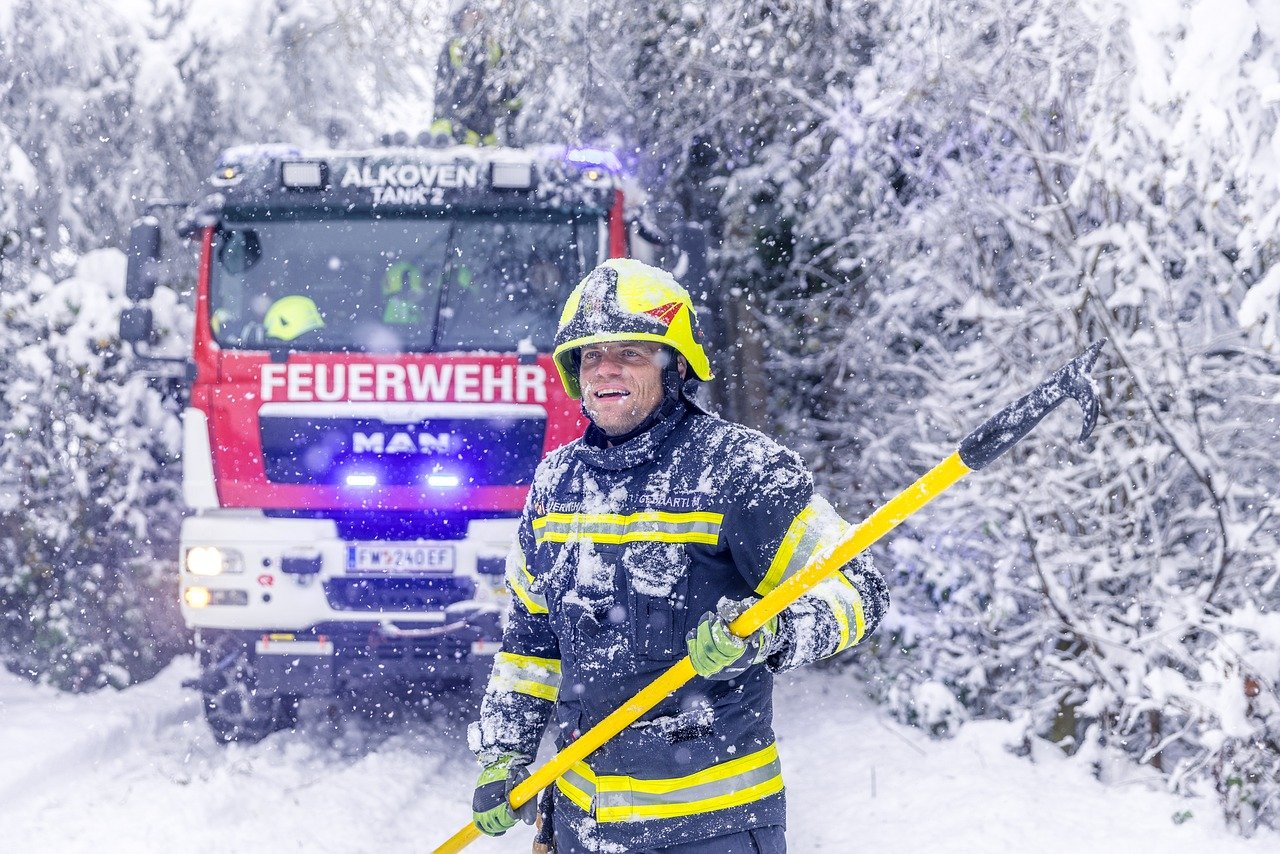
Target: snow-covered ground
(137, 771)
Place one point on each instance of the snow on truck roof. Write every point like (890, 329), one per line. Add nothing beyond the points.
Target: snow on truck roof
(244, 154)
(405, 178)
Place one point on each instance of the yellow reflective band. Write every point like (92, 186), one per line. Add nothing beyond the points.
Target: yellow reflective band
(552, 664)
(535, 689)
(580, 796)
(838, 611)
(859, 616)
(708, 775)
(519, 580)
(787, 557)
(738, 781)
(772, 786)
(815, 528)
(529, 605)
(620, 519)
(620, 798)
(526, 674)
(842, 597)
(651, 526)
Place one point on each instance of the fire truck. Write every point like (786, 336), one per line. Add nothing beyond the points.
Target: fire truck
(371, 389)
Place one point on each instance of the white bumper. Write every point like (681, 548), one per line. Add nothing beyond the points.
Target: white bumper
(255, 592)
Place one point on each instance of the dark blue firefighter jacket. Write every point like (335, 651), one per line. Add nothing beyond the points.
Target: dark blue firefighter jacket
(621, 551)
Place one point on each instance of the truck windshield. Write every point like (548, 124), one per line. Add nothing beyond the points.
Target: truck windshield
(479, 282)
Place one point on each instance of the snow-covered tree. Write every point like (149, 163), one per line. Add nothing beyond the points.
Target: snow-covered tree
(88, 457)
(918, 209)
(1030, 177)
(925, 208)
(708, 105)
(106, 106)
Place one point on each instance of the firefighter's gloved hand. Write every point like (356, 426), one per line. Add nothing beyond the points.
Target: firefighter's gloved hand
(718, 653)
(490, 807)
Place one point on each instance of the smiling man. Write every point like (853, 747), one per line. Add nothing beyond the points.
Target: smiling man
(639, 543)
(622, 384)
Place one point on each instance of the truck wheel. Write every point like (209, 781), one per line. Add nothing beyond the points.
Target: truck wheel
(234, 709)
(287, 715)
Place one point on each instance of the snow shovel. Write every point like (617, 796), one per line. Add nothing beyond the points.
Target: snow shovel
(997, 435)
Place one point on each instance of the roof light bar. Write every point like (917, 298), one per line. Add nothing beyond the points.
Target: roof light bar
(303, 174)
(511, 176)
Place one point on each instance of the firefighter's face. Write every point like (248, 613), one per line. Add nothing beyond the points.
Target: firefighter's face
(622, 383)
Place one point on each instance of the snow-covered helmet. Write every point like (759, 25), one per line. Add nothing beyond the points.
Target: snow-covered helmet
(291, 316)
(626, 300)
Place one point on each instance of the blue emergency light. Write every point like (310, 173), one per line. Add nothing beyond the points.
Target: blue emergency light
(594, 157)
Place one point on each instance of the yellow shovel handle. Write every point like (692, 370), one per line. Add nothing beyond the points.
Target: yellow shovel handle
(936, 481)
(888, 516)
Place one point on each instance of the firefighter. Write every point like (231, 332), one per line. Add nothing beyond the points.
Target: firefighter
(639, 543)
(472, 102)
(403, 291)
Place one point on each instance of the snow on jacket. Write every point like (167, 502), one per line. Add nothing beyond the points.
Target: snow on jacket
(621, 551)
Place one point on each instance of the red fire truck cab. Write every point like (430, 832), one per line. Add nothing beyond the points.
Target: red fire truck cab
(373, 389)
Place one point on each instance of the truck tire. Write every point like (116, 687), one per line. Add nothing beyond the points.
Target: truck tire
(233, 707)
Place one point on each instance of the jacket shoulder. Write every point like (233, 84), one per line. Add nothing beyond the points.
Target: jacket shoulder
(746, 455)
(554, 465)
(729, 438)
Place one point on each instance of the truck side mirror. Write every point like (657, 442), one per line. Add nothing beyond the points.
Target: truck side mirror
(691, 237)
(144, 251)
(135, 325)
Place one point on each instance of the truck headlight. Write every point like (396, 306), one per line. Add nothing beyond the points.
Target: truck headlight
(211, 560)
(203, 597)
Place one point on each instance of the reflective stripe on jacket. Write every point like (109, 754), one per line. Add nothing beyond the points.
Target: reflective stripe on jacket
(621, 552)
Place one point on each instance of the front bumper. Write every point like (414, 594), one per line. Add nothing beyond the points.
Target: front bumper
(462, 655)
(313, 627)
(336, 657)
(293, 575)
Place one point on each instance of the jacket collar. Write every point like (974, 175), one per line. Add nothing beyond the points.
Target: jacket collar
(633, 452)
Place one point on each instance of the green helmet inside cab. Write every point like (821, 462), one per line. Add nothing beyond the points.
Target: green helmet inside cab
(291, 316)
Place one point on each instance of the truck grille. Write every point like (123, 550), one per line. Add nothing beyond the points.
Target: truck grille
(324, 450)
(397, 594)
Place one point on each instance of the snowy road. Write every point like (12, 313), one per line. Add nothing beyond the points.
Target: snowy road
(137, 771)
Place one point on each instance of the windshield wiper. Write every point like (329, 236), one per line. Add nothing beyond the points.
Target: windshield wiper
(282, 352)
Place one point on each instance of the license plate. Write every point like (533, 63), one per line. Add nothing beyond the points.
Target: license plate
(381, 557)
(294, 647)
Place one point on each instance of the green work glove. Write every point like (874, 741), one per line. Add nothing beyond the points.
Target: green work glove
(718, 653)
(491, 805)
